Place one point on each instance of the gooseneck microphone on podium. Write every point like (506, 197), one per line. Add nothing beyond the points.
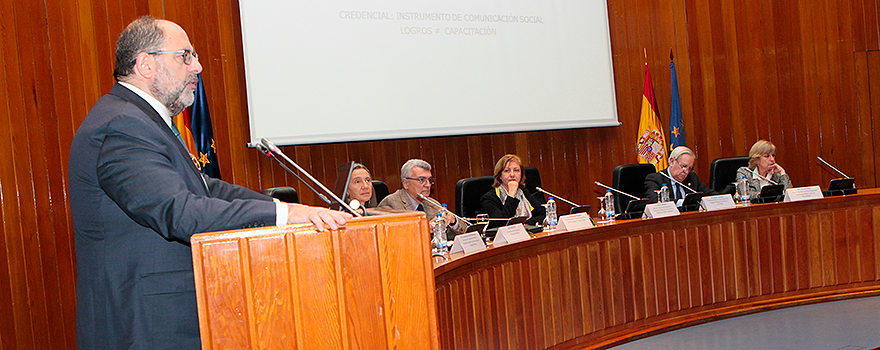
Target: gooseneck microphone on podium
(270, 150)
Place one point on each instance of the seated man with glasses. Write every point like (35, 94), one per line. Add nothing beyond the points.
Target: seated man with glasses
(681, 166)
(416, 178)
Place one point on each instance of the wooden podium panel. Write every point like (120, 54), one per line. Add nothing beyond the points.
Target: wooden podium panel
(599, 287)
(369, 285)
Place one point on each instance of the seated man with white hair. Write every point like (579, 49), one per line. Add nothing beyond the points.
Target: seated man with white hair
(681, 166)
(416, 178)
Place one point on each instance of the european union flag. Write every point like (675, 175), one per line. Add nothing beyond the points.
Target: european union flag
(676, 125)
(203, 133)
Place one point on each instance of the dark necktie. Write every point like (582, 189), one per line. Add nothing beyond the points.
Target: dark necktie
(420, 207)
(177, 133)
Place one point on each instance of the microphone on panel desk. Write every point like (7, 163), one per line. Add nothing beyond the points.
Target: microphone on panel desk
(576, 208)
(616, 190)
(762, 177)
(833, 168)
(846, 185)
(676, 181)
(437, 205)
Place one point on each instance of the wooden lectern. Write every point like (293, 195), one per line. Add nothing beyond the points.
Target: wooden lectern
(369, 285)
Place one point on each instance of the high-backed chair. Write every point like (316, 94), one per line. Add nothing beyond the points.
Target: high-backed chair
(284, 194)
(467, 195)
(380, 190)
(629, 178)
(722, 173)
(533, 180)
(469, 190)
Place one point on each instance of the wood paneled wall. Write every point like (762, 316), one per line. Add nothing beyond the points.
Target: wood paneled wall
(798, 73)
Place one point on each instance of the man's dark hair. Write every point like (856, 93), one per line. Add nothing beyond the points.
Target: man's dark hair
(142, 35)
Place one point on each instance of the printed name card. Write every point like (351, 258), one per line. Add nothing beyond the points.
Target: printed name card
(719, 202)
(467, 243)
(660, 210)
(803, 194)
(573, 222)
(511, 234)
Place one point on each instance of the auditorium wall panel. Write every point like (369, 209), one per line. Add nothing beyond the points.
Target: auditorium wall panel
(802, 74)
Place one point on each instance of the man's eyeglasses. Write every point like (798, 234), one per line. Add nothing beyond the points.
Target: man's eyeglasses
(688, 168)
(186, 54)
(421, 179)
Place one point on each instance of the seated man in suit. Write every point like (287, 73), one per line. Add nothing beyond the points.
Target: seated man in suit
(681, 166)
(416, 178)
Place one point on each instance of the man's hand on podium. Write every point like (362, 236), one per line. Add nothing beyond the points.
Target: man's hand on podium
(300, 214)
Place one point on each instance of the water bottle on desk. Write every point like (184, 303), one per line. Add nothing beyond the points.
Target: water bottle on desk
(438, 240)
(608, 203)
(664, 193)
(742, 191)
(444, 212)
(551, 218)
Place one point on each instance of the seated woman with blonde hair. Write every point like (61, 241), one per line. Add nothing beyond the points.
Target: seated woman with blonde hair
(508, 198)
(762, 159)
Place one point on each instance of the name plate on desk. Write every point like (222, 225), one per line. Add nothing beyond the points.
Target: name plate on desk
(573, 222)
(719, 202)
(660, 210)
(511, 234)
(803, 193)
(467, 243)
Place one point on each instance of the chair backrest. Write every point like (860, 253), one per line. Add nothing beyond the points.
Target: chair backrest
(380, 190)
(467, 195)
(629, 178)
(533, 180)
(722, 173)
(284, 194)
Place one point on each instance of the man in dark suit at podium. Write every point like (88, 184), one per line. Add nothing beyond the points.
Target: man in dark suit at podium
(137, 198)
(681, 166)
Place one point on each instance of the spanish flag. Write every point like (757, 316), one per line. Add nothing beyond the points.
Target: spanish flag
(652, 142)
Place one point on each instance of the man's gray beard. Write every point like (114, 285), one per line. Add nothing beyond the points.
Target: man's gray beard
(175, 101)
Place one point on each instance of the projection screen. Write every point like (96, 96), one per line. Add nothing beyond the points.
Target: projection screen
(335, 71)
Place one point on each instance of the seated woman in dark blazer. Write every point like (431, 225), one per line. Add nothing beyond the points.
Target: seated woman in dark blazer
(762, 159)
(508, 197)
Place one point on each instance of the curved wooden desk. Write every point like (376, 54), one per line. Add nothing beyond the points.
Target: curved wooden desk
(603, 286)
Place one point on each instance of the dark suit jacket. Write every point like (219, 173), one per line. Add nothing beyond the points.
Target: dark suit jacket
(136, 198)
(654, 181)
(491, 203)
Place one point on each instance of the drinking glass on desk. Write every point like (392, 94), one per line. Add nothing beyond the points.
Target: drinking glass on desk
(602, 216)
(483, 219)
